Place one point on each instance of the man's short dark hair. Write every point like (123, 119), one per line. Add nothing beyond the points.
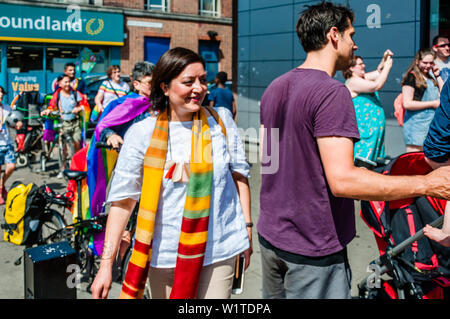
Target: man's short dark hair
(68, 65)
(222, 77)
(439, 36)
(317, 20)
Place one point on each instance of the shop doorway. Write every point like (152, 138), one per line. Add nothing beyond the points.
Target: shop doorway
(154, 48)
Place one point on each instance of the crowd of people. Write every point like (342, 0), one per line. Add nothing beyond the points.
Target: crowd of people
(184, 166)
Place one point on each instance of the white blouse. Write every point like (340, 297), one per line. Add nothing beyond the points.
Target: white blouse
(227, 233)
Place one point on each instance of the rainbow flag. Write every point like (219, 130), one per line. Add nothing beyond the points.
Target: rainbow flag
(101, 162)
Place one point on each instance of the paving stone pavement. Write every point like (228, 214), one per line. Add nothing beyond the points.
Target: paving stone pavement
(361, 250)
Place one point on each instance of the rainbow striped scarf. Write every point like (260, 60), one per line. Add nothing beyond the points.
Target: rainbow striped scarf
(194, 227)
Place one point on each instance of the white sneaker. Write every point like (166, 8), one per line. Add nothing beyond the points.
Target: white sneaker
(60, 175)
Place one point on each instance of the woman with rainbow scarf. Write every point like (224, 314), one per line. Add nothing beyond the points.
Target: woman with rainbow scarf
(187, 168)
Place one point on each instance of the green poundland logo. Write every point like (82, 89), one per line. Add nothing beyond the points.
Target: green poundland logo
(46, 23)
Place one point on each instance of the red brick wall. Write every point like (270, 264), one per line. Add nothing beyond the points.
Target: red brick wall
(181, 33)
(176, 6)
(184, 6)
(133, 4)
(226, 8)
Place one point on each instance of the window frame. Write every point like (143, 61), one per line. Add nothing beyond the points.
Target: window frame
(164, 7)
(214, 13)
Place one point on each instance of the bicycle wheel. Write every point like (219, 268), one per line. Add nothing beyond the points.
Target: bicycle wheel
(51, 226)
(21, 160)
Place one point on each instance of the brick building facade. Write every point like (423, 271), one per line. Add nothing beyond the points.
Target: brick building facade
(182, 25)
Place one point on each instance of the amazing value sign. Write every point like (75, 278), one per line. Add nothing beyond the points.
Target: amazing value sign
(59, 25)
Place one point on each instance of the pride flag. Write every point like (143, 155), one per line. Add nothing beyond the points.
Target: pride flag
(101, 162)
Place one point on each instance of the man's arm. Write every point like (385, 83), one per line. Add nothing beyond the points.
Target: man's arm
(346, 180)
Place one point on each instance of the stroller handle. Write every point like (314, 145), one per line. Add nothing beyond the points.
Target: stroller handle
(396, 250)
(402, 246)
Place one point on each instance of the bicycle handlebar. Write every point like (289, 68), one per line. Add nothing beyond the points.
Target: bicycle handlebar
(104, 145)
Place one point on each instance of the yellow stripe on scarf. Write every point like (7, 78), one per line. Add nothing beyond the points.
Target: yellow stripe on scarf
(193, 238)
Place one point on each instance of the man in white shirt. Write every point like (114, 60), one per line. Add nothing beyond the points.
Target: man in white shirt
(441, 46)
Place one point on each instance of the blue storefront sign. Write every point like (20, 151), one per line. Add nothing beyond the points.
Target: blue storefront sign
(57, 25)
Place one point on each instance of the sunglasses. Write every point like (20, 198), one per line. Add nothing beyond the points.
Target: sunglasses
(443, 45)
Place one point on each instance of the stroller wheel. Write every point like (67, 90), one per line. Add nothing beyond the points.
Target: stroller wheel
(22, 160)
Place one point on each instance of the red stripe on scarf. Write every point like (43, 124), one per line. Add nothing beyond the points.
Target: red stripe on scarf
(185, 287)
(194, 225)
(141, 247)
(129, 291)
(191, 250)
(131, 278)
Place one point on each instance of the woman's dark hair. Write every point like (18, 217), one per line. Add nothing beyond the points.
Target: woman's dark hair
(316, 21)
(2, 90)
(62, 76)
(348, 73)
(110, 70)
(168, 67)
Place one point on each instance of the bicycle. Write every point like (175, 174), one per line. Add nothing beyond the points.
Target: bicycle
(80, 232)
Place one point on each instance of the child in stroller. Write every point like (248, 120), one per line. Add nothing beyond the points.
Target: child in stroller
(419, 267)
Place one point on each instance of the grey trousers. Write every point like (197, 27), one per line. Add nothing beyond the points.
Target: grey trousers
(287, 280)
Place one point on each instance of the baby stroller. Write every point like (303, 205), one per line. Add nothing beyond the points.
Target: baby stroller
(410, 265)
(28, 139)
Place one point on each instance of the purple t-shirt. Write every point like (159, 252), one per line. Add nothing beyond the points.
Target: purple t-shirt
(298, 212)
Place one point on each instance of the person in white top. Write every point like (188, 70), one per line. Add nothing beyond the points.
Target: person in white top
(441, 46)
(7, 155)
(179, 84)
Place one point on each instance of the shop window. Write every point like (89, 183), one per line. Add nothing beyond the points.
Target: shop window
(58, 56)
(89, 60)
(157, 5)
(210, 8)
(439, 18)
(23, 58)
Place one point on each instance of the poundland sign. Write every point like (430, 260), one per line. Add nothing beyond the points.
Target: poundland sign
(58, 25)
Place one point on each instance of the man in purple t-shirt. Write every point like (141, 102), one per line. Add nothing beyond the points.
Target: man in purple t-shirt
(307, 217)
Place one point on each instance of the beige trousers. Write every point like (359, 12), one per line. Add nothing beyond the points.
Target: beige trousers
(216, 281)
